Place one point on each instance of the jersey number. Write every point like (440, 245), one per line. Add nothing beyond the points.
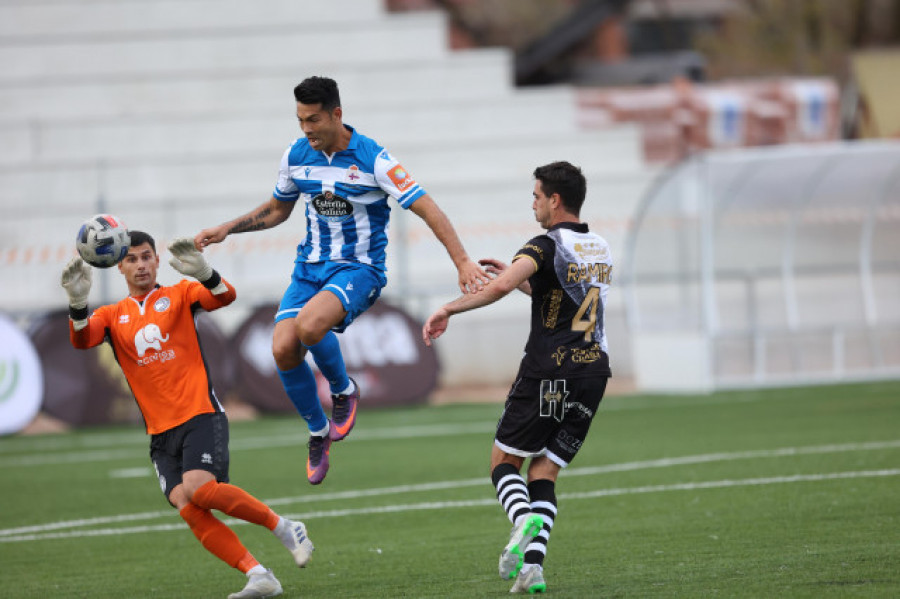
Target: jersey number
(586, 317)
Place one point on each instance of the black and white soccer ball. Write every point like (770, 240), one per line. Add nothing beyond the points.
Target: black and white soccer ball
(103, 240)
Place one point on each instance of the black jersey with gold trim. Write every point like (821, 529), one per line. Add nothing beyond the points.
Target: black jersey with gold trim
(568, 303)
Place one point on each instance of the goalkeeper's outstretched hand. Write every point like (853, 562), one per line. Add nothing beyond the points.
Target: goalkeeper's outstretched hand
(76, 280)
(187, 260)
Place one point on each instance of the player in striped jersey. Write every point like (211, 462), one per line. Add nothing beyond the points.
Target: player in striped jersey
(342, 182)
(154, 338)
(562, 376)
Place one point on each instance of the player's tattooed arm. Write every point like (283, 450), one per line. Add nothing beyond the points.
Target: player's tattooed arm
(255, 222)
(265, 216)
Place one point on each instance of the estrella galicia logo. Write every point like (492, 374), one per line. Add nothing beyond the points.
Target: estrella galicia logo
(332, 207)
(553, 399)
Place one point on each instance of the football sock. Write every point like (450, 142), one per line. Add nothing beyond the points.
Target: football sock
(346, 390)
(327, 354)
(235, 502)
(247, 563)
(511, 492)
(284, 532)
(543, 503)
(217, 538)
(300, 385)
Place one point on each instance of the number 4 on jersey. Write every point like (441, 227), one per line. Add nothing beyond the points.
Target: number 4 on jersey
(586, 317)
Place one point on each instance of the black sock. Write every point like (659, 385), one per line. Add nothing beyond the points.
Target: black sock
(543, 503)
(511, 491)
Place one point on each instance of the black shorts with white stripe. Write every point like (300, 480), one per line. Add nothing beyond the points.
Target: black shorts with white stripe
(549, 417)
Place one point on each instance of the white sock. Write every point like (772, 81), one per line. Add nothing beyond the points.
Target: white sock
(321, 433)
(284, 533)
(281, 529)
(349, 389)
(257, 569)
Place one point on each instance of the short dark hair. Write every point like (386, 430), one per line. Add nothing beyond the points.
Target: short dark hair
(565, 179)
(318, 90)
(140, 238)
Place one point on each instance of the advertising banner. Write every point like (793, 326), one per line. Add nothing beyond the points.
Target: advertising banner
(382, 350)
(21, 383)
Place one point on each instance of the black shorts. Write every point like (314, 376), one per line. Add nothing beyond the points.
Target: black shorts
(201, 443)
(549, 417)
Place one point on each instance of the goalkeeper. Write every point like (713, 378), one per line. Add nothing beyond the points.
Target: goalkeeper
(154, 337)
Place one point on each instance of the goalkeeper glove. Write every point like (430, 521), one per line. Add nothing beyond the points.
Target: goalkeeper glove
(187, 260)
(76, 280)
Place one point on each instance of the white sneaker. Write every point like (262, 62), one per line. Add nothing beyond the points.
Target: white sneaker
(513, 555)
(259, 585)
(530, 580)
(298, 543)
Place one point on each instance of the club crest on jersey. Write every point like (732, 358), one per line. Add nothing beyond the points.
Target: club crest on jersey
(352, 174)
(399, 177)
(162, 304)
(331, 207)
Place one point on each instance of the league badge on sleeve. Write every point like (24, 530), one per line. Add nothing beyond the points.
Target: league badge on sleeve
(399, 177)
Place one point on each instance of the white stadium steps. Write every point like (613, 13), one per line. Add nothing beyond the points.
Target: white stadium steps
(433, 125)
(173, 114)
(415, 37)
(205, 176)
(33, 21)
(482, 75)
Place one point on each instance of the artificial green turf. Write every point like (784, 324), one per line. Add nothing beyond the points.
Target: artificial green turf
(631, 526)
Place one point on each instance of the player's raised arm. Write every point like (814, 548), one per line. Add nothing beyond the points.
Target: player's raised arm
(76, 280)
(511, 278)
(471, 276)
(495, 268)
(188, 260)
(265, 216)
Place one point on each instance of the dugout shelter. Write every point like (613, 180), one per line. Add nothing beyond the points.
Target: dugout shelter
(768, 266)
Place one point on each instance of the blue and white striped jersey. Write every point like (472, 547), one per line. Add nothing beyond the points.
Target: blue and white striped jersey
(345, 197)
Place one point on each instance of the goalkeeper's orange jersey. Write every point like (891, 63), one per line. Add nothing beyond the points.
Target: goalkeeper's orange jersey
(155, 341)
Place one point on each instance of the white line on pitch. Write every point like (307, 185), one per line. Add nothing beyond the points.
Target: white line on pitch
(92, 441)
(262, 442)
(483, 481)
(442, 505)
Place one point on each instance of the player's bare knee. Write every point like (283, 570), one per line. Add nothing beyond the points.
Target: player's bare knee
(311, 330)
(498, 456)
(177, 497)
(543, 468)
(193, 480)
(288, 355)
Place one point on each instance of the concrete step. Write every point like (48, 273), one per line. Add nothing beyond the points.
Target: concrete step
(413, 37)
(35, 22)
(254, 173)
(120, 138)
(483, 75)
